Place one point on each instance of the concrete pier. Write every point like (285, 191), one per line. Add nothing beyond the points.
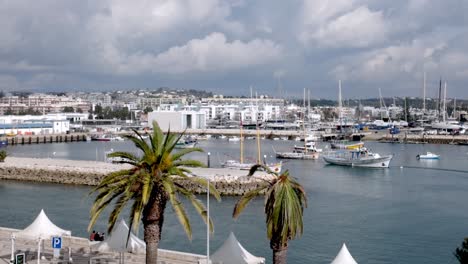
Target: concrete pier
(42, 139)
(226, 181)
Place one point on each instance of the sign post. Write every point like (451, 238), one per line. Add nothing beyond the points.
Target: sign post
(20, 258)
(56, 245)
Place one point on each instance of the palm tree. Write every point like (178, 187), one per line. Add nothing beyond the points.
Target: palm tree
(148, 184)
(285, 200)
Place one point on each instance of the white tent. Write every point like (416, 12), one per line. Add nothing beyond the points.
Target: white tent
(344, 257)
(232, 252)
(42, 228)
(117, 241)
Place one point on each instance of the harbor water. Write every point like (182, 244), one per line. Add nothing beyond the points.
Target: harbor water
(413, 212)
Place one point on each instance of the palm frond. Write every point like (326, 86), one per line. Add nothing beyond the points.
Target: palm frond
(244, 201)
(178, 207)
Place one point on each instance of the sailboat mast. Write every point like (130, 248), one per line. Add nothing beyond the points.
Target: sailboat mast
(259, 158)
(340, 115)
(424, 93)
(454, 107)
(445, 99)
(438, 102)
(308, 104)
(241, 143)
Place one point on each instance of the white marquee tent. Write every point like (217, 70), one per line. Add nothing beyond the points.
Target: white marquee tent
(344, 257)
(117, 241)
(232, 252)
(41, 228)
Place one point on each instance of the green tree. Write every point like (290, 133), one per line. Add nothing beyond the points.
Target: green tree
(148, 109)
(149, 185)
(68, 109)
(285, 200)
(98, 112)
(79, 110)
(461, 253)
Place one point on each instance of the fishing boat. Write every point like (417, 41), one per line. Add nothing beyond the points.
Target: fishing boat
(428, 155)
(358, 158)
(234, 139)
(344, 144)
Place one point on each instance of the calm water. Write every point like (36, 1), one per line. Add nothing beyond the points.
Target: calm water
(414, 214)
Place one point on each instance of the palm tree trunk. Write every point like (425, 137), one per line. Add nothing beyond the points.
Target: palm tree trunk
(153, 219)
(279, 252)
(279, 255)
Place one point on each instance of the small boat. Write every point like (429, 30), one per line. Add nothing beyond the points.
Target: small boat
(358, 158)
(186, 142)
(298, 154)
(346, 145)
(428, 155)
(234, 164)
(234, 139)
(106, 138)
(311, 147)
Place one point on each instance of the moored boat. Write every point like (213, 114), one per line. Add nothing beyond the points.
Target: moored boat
(297, 154)
(346, 145)
(428, 155)
(234, 164)
(359, 158)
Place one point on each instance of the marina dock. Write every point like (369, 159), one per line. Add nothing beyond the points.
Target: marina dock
(41, 139)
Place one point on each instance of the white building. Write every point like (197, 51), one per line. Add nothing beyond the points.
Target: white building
(178, 120)
(34, 125)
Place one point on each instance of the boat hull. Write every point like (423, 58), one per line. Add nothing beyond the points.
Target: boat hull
(297, 155)
(380, 162)
(276, 167)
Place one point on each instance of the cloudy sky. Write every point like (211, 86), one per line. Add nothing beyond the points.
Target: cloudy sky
(278, 47)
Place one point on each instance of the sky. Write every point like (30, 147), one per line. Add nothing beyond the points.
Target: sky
(276, 47)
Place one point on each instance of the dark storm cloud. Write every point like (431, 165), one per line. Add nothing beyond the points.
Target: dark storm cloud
(228, 46)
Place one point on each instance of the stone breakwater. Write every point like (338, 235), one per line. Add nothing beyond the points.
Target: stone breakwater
(227, 182)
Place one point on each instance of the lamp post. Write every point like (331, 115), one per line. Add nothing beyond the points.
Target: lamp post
(12, 259)
(208, 216)
(208, 159)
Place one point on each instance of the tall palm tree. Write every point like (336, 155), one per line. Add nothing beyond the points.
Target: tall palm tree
(285, 200)
(148, 184)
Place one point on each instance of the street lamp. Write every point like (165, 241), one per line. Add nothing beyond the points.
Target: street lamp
(208, 159)
(208, 217)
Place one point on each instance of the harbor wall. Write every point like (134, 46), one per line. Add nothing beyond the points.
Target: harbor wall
(430, 139)
(89, 173)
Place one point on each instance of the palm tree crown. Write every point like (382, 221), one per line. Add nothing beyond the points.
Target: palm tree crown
(285, 200)
(148, 183)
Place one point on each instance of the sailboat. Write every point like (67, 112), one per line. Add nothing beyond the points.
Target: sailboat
(307, 152)
(445, 124)
(343, 144)
(242, 165)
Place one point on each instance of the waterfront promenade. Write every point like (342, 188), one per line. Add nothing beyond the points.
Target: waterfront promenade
(82, 252)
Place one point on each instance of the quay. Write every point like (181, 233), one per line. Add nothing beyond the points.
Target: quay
(422, 139)
(226, 181)
(81, 252)
(41, 139)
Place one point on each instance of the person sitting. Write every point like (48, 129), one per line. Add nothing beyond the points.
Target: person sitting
(97, 237)
(92, 237)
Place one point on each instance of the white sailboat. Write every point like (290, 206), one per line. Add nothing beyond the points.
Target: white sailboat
(242, 165)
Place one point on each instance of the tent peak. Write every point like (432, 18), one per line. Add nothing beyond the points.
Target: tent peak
(344, 257)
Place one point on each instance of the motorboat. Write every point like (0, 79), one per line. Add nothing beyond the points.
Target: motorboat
(185, 143)
(358, 158)
(310, 146)
(428, 155)
(234, 139)
(106, 138)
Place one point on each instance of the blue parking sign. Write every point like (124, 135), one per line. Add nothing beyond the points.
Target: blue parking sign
(56, 242)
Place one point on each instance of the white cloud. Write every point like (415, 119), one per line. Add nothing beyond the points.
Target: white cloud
(391, 63)
(359, 27)
(212, 53)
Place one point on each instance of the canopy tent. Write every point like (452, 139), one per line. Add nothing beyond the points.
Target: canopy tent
(117, 241)
(232, 252)
(42, 228)
(344, 257)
